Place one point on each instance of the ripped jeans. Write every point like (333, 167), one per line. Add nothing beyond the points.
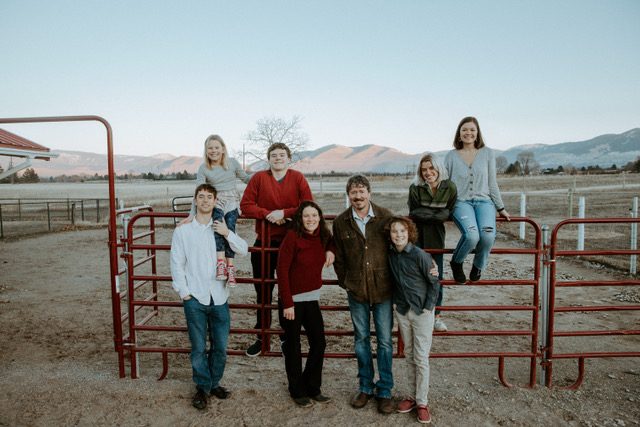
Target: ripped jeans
(471, 216)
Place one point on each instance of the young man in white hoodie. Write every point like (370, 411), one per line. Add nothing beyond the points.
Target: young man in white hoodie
(193, 269)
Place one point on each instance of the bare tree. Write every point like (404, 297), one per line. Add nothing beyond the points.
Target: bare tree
(274, 129)
(501, 163)
(528, 161)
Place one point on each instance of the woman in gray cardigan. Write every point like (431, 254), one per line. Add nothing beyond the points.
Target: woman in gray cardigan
(472, 167)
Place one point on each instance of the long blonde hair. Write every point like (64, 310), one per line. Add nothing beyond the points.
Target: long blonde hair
(223, 158)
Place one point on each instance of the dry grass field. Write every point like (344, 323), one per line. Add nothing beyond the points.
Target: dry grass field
(606, 194)
(549, 200)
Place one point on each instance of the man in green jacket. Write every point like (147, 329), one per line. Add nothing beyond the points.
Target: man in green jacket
(362, 268)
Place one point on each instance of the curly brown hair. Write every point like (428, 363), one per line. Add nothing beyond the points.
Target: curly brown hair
(297, 224)
(407, 222)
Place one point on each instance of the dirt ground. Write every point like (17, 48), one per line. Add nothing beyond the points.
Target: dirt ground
(58, 365)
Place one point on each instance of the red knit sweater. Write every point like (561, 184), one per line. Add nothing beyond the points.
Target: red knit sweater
(264, 194)
(300, 264)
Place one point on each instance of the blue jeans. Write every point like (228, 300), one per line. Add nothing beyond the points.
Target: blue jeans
(476, 220)
(230, 219)
(207, 369)
(383, 322)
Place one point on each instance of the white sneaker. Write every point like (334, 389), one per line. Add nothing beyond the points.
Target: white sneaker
(439, 326)
(221, 270)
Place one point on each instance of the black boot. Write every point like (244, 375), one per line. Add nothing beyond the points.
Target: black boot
(458, 273)
(474, 276)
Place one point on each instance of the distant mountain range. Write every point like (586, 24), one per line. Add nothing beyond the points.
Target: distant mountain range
(604, 150)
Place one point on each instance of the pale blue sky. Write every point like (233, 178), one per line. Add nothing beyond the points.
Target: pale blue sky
(166, 74)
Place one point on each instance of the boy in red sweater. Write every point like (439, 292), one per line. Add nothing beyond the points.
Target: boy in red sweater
(274, 195)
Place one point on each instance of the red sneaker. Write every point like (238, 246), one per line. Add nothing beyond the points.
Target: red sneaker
(423, 414)
(231, 281)
(221, 270)
(406, 405)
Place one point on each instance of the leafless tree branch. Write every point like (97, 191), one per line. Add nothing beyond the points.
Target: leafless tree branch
(272, 129)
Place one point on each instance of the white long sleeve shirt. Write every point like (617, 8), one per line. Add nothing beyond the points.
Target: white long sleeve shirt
(193, 262)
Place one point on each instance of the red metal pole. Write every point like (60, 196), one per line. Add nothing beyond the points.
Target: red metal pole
(117, 331)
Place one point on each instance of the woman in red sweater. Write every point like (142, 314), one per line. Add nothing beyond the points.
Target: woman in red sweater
(305, 250)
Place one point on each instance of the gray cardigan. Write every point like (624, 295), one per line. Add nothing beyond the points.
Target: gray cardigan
(221, 179)
(477, 181)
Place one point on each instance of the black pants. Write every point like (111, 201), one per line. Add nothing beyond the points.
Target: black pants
(309, 316)
(256, 264)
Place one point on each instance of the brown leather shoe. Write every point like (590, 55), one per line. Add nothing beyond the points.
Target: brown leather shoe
(384, 405)
(360, 400)
(220, 392)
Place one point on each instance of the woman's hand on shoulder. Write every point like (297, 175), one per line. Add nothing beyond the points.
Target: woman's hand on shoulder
(187, 220)
(330, 257)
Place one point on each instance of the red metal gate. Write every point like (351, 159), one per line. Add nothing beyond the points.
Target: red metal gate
(142, 293)
(532, 307)
(550, 353)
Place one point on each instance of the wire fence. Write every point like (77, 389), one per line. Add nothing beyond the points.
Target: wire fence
(29, 216)
(20, 217)
(551, 209)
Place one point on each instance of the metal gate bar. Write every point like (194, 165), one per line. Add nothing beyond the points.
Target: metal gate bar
(266, 308)
(549, 352)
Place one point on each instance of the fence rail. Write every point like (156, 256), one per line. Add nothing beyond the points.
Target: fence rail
(26, 216)
(553, 306)
(142, 302)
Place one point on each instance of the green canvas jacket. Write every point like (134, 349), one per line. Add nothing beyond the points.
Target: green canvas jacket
(430, 211)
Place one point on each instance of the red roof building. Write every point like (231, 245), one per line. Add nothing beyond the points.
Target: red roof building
(17, 146)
